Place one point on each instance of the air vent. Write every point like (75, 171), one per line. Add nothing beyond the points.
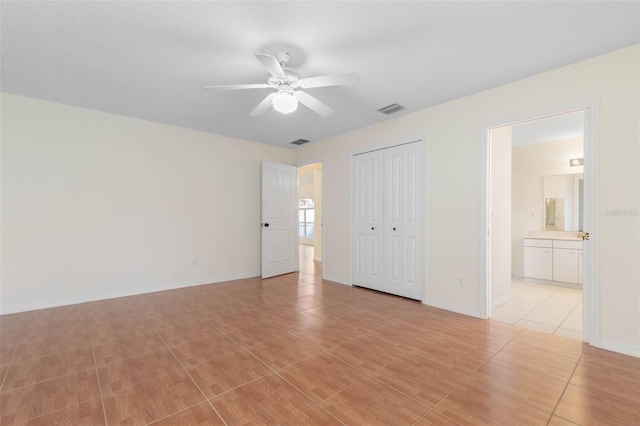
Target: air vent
(300, 142)
(390, 109)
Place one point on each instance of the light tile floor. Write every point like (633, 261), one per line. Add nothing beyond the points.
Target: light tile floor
(542, 307)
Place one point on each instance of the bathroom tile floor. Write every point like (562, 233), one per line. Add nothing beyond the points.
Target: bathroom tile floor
(542, 307)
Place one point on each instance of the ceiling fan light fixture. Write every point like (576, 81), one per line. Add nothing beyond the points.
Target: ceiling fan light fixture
(285, 102)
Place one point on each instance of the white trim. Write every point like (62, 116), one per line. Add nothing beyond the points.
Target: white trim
(620, 348)
(453, 308)
(591, 249)
(124, 293)
(485, 220)
(590, 293)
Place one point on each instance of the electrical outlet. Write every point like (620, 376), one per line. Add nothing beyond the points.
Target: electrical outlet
(460, 281)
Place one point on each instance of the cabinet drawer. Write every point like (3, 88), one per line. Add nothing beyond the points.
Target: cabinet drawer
(535, 242)
(575, 245)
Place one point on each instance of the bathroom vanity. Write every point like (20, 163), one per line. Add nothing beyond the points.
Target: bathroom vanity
(553, 259)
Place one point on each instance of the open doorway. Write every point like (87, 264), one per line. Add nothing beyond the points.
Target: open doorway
(536, 222)
(310, 219)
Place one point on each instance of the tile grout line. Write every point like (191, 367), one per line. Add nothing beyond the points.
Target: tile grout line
(15, 350)
(472, 373)
(564, 389)
(95, 364)
(568, 315)
(192, 380)
(273, 371)
(534, 285)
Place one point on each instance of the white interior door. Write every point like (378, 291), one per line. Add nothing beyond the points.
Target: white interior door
(402, 220)
(367, 195)
(279, 219)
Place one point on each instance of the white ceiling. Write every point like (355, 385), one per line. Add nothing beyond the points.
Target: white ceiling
(150, 59)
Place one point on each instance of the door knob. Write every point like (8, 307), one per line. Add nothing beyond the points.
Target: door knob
(394, 228)
(266, 225)
(372, 228)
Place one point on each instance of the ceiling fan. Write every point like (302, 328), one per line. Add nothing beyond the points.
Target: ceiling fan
(287, 84)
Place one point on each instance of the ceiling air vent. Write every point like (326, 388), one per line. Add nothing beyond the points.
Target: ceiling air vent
(300, 142)
(390, 109)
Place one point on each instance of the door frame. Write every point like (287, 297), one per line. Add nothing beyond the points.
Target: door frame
(591, 285)
(308, 163)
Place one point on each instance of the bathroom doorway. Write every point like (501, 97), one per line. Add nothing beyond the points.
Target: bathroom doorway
(536, 218)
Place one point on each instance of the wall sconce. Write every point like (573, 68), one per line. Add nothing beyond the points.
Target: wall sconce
(576, 162)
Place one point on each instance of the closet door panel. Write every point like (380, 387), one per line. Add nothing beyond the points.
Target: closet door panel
(412, 221)
(367, 195)
(393, 212)
(403, 221)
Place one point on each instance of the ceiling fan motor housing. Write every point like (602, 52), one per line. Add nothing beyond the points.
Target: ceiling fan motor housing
(283, 58)
(291, 79)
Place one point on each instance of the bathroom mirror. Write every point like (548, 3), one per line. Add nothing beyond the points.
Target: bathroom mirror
(554, 214)
(563, 199)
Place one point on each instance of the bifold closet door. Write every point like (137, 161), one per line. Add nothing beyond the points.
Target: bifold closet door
(386, 220)
(367, 196)
(402, 220)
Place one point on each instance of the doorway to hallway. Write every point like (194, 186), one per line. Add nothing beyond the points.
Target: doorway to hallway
(310, 230)
(309, 266)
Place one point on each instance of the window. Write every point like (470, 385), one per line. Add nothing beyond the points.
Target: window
(306, 216)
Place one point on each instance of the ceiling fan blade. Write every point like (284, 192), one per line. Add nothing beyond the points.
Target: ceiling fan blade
(238, 86)
(313, 104)
(329, 80)
(263, 106)
(272, 65)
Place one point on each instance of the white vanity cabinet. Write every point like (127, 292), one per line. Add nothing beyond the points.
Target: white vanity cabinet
(538, 258)
(553, 260)
(567, 261)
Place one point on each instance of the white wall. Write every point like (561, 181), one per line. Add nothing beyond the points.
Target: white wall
(500, 180)
(97, 205)
(453, 134)
(531, 163)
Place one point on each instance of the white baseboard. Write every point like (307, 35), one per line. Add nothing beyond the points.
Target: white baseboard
(116, 294)
(336, 280)
(453, 308)
(620, 348)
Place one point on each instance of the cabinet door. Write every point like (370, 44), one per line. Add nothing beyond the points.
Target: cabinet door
(402, 220)
(367, 196)
(565, 265)
(538, 263)
(579, 266)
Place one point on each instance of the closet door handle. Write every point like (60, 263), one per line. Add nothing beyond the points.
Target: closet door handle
(372, 228)
(394, 228)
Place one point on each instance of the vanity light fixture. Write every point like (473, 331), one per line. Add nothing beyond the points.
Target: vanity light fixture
(285, 102)
(576, 162)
